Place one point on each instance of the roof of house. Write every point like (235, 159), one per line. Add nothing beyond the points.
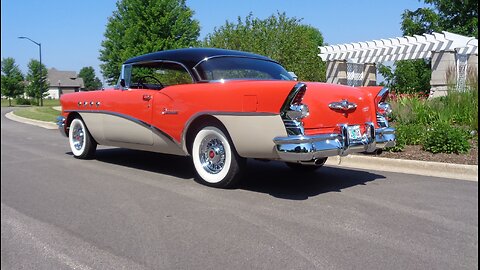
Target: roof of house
(60, 78)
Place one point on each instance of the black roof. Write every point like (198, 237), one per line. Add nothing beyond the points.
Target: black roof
(191, 56)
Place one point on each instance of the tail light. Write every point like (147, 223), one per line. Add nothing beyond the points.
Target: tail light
(297, 100)
(293, 110)
(383, 108)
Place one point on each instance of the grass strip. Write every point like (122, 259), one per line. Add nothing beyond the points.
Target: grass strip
(46, 102)
(47, 114)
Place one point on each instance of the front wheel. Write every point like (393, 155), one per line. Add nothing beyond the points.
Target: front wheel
(216, 162)
(82, 144)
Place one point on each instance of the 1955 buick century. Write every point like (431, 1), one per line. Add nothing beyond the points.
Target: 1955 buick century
(221, 107)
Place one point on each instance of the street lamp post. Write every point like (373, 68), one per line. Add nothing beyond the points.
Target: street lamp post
(40, 68)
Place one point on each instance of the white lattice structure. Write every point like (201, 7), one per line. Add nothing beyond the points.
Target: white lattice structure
(400, 48)
(462, 62)
(354, 74)
(447, 51)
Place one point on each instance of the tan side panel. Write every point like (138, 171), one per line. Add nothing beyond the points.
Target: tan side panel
(94, 122)
(253, 135)
(123, 129)
(163, 144)
(118, 129)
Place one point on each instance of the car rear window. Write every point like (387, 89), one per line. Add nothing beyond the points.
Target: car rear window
(239, 68)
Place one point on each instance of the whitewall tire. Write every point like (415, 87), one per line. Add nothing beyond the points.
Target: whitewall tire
(82, 144)
(216, 162)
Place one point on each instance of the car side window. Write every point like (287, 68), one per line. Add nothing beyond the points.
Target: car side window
(157, 75)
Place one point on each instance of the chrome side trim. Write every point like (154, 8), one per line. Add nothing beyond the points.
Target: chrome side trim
(382, 121)
(293, 127)
(135, 120)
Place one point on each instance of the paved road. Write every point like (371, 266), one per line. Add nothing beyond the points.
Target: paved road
(136, 210)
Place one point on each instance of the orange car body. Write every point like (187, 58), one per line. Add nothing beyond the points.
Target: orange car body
(271, 118)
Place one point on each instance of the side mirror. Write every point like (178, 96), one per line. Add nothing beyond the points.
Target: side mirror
(122, 82)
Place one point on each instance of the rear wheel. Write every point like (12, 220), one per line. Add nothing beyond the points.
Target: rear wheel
(82, 144)
(216, 162)
(306, 168)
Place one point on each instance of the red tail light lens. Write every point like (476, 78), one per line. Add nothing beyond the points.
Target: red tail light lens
(297, 100)
(382, 96)
(383, 107)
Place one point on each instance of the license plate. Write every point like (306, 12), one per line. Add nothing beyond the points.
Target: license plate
(354, 132)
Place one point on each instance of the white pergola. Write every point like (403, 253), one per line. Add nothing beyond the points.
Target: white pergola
(399, 48)
(355, 63)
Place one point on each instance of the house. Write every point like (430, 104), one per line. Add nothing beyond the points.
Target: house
(61, 82)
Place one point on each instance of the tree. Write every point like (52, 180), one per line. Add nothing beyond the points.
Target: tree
(460, 17)
(37, 80)
(412, 76)
(12, 80)
(283, 39)
(91, 81)
(387, 73)
(143, 26)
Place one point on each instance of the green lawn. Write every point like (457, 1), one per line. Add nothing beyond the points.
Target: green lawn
(38, 113)
(46, 102)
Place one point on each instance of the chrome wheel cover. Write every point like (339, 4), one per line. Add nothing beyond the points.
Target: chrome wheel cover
(78, 137)
(212, 154)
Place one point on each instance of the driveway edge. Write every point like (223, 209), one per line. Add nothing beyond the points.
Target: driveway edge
(38, 123)
(426, 168)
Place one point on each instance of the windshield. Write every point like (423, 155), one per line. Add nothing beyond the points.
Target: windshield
(238, 68)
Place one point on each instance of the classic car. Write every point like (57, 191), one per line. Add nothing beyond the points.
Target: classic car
(221, 107)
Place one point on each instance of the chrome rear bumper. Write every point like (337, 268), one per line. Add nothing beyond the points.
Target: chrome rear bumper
(307, 148)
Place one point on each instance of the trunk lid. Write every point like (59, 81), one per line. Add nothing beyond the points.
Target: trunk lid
(330, 105)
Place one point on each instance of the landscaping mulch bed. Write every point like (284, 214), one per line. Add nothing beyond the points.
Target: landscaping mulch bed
(415, 152)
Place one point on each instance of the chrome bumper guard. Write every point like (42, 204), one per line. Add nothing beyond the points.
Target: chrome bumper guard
(307, 148)
(61, 125)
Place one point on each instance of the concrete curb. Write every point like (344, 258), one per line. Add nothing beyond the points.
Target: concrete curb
(427, 168)
(43, 124)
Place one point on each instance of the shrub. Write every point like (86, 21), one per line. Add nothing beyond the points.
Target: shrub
(457, 108)
(22, 101)
(445, 138)
(413, 109)
(411, 134)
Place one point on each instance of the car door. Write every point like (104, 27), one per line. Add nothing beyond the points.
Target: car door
(128, 117)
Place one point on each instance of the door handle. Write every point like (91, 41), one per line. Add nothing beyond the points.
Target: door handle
(147, 97)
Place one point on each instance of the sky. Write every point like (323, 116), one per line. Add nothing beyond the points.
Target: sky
(71, 31)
